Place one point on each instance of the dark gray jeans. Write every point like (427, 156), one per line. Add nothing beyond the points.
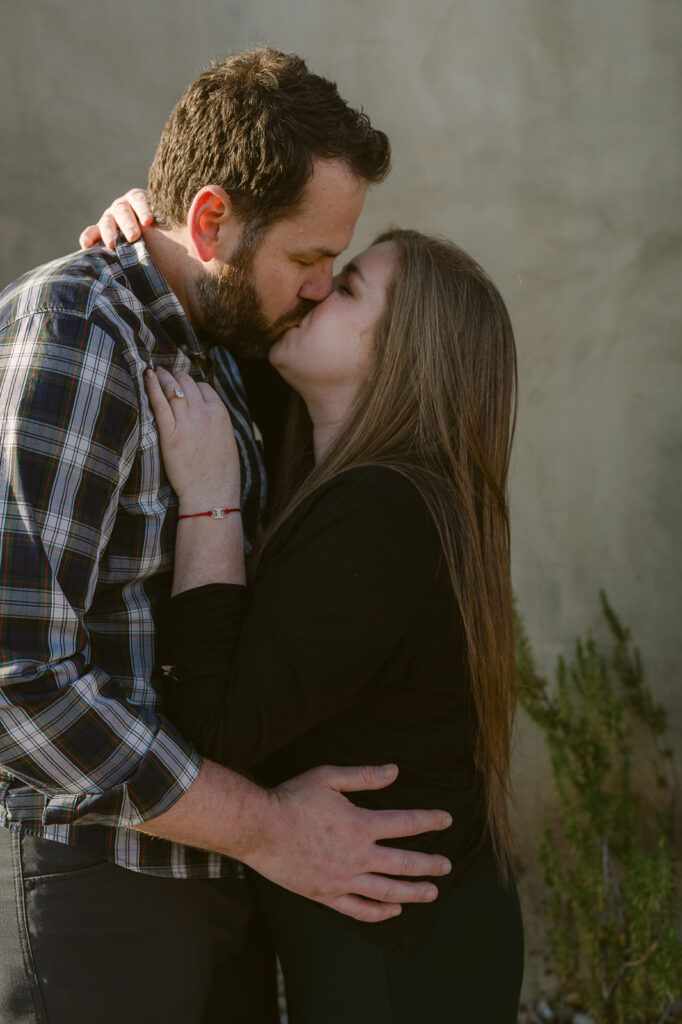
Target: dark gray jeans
(85, 942)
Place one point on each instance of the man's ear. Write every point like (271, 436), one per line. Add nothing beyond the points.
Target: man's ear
(212, 224)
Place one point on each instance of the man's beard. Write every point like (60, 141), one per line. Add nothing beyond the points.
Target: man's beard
(232, 311)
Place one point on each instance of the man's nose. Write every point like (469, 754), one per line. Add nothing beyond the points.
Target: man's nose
(317, 287)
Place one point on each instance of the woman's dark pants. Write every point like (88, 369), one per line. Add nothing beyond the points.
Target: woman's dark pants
(467, 969)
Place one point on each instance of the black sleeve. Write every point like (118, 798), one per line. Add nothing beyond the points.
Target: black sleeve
(332, 599)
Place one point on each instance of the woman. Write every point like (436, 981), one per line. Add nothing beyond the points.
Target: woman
(378, 626)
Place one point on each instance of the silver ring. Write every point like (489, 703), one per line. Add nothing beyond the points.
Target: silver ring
(178, 393)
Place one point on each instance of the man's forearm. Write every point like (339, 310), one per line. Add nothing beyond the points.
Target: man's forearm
(221, 811)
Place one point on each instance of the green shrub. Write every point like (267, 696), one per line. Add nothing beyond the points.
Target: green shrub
(609, 864)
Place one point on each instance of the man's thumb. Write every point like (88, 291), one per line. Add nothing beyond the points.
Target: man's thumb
(353, 780)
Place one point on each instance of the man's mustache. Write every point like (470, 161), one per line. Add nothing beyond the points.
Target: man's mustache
(293, 318)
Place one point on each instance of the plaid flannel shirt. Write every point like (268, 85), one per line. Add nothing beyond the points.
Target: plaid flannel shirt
(87, 523)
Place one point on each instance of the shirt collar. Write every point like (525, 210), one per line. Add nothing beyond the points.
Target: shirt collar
(150, 286)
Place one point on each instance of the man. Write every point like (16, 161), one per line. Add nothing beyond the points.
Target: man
(117, 897)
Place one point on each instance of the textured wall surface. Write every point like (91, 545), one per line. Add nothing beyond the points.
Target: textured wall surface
(545, 138)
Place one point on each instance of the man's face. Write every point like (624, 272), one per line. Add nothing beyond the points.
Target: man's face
(267, 286)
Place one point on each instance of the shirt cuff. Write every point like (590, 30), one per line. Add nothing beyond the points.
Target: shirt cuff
(167, 770)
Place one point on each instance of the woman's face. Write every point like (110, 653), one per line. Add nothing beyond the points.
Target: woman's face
(332, 349)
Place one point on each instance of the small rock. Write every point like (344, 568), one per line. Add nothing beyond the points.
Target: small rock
(582, 1018)
(544, 1010)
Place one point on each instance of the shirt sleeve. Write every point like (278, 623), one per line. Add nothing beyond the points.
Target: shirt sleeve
(70, 429)
(330, 606)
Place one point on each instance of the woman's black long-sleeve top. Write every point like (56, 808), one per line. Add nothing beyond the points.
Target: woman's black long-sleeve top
(347, 650)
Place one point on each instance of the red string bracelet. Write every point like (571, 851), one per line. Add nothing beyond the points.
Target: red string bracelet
(214, 513)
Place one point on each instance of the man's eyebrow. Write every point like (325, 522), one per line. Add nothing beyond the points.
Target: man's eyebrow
(326, 253)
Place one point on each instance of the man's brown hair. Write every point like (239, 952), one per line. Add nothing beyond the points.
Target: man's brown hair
(254, 124)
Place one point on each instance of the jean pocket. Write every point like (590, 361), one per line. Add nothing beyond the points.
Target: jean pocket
(45, 858)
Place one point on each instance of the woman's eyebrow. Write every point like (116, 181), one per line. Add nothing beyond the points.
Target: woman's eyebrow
(352, 268)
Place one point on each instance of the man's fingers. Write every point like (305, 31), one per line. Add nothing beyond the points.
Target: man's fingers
(137, 198)
(394, 890)
(388, 860)
(411, 863)
(363, 910)
(375, 898)
(394, 824)
(357, 779)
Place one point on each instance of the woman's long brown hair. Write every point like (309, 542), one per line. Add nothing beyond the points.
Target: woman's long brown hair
(439, 407)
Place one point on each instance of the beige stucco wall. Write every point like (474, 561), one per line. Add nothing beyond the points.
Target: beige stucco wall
(544, 137)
